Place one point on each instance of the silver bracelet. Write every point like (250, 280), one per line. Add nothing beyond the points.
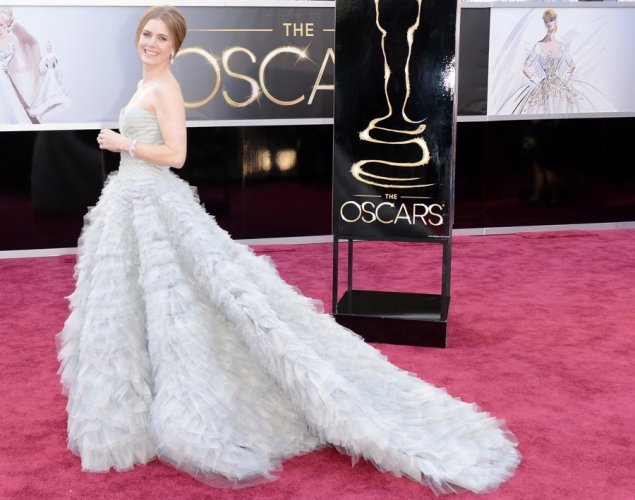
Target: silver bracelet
(132, 150)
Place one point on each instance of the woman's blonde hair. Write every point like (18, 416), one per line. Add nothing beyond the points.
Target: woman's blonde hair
(172, 18)
(7, 14)
(550, 14)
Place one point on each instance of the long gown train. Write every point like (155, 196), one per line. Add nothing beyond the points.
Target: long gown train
(184, 345)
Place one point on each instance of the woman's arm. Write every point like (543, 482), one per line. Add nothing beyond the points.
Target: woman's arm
(569, 60)
(166, 102)
(528, 72)
(528, 68)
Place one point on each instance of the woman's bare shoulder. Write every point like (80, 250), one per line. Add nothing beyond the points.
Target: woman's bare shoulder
(168, 88)
(165, 94)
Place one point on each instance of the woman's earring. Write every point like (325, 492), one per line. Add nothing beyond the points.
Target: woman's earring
(172, 58)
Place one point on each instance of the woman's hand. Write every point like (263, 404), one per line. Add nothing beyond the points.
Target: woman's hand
(112, 141)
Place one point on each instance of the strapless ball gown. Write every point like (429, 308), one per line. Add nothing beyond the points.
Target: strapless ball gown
(555, 90)
(184, 345)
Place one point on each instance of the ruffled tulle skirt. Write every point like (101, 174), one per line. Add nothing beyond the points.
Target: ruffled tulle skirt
(184, 345)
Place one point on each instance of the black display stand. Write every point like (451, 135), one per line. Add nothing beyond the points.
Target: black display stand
(393, 167)
(393, 317)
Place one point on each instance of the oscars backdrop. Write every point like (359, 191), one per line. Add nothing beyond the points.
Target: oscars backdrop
(74, 67)
(394, 118)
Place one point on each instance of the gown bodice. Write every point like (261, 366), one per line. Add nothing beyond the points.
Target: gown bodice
(550, 62)
(136, 122)
(6, 54)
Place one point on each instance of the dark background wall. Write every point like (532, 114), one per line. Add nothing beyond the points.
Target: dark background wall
(258, 182)
(48, 179)
(522, 173)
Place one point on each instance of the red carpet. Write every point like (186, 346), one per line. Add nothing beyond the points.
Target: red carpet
(541, 335)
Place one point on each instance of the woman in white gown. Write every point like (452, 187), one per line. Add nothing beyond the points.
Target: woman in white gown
(552, 87)
(11, 107)
(184, 345)
(50, 95)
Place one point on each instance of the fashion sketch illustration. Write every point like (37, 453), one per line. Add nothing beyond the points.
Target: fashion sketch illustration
(18, 55)
(547, 81)
(49, 96)
(30, 84)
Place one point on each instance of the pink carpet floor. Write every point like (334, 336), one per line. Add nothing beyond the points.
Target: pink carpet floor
(542, 334)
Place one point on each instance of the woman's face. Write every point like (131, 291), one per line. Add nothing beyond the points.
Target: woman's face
(550, 24)
(155, 43)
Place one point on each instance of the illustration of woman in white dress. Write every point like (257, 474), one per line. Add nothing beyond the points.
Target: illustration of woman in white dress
(552, 87)
(49, 96)
(184, 345)
(12, 107)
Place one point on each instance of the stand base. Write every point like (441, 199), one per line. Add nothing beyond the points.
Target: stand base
(395, 317)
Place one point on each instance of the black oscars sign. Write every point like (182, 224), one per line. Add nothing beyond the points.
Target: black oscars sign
(393, 149)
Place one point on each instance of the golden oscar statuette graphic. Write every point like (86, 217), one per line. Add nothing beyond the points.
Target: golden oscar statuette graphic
(400, 151)
(393, 175)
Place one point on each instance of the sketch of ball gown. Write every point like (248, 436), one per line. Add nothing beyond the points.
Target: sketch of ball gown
(49, 95)
(553, 88)
(11, 108)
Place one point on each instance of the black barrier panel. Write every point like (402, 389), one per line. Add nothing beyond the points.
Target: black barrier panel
(393, 172)
(474, 53)
(394, 109)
